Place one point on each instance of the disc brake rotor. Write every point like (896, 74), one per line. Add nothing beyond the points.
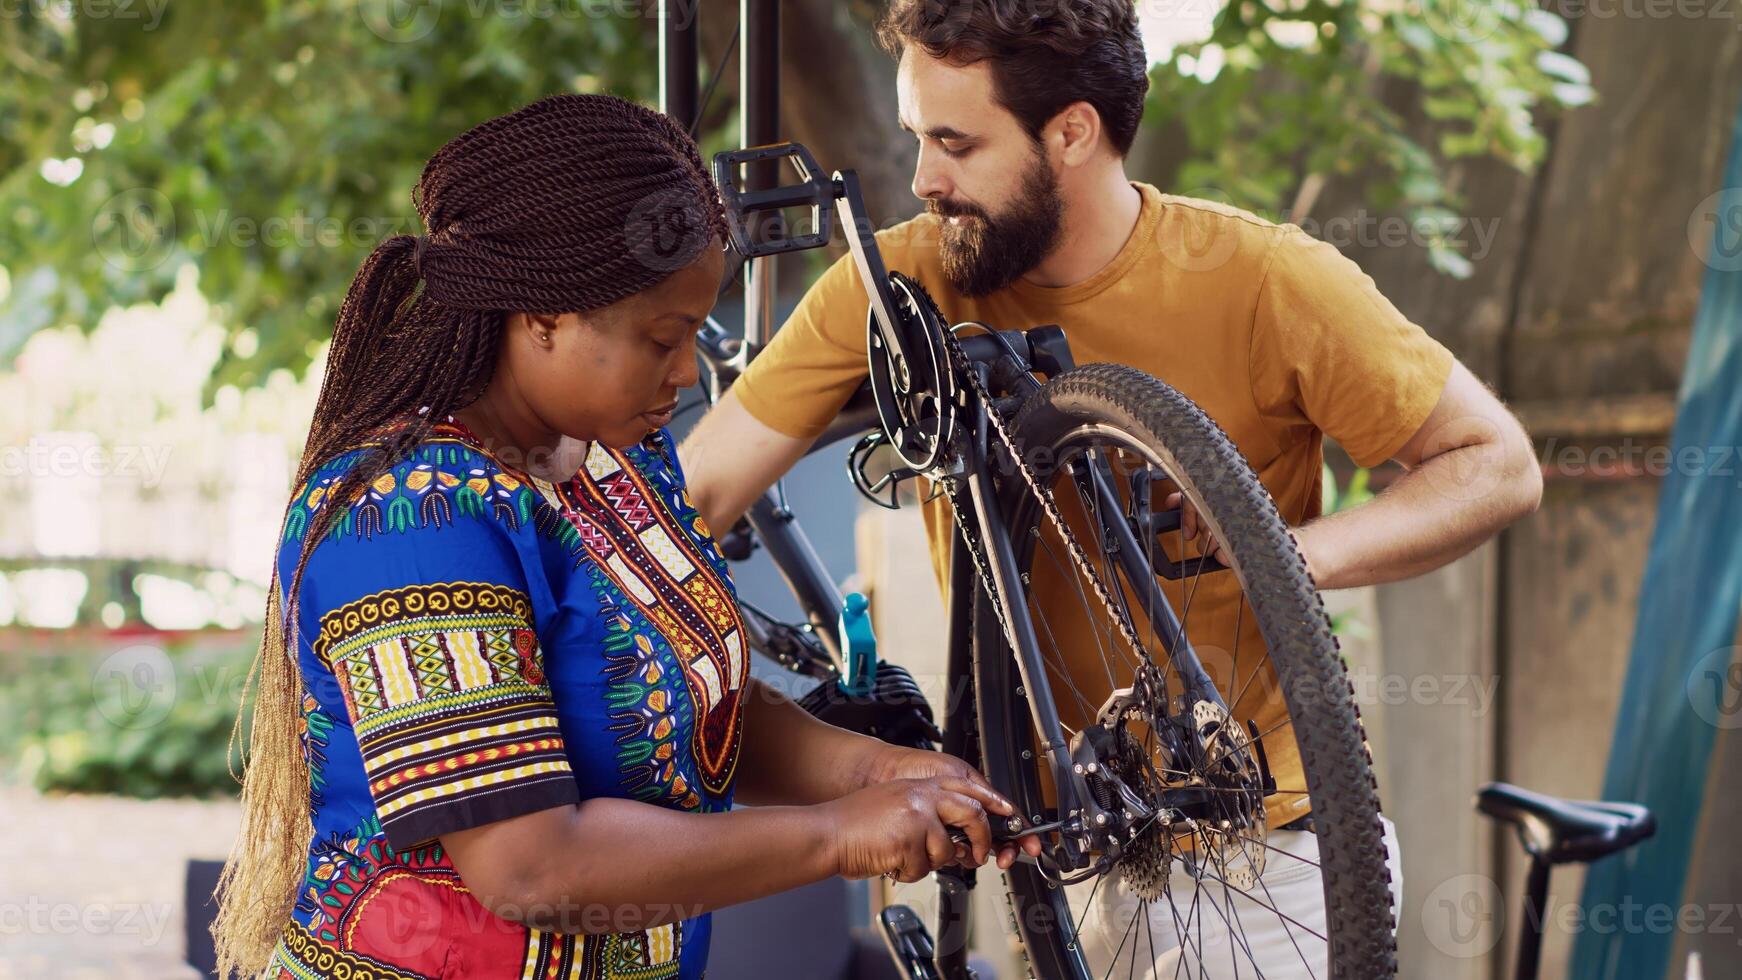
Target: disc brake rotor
(1230, 843)
(1198, 777)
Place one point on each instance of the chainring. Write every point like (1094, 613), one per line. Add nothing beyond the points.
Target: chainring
(914, 386)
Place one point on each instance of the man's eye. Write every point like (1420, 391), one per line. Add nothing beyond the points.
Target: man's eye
(955, 154)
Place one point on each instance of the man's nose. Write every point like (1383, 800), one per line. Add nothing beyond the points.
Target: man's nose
(928, 178)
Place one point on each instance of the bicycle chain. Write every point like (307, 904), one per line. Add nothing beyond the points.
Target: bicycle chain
(952, 491)
(965, 367)
(1151, 877)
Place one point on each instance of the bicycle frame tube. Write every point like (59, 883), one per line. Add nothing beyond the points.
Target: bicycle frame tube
(1025, 643)
(805, 575)
(961, 739)
(1133, 559)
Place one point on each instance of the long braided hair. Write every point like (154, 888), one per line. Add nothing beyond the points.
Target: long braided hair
(567, 205)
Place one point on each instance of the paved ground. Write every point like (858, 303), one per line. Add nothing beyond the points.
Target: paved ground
(91, 886)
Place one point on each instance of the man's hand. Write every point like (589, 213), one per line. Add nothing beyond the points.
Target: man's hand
(1189, 524)
(891, 762)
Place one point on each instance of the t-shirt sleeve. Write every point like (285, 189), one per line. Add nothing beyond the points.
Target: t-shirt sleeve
(429, 632)
(815, 362)
(1330, 352)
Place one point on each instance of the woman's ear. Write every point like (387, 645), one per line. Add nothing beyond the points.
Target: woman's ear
(537, 327)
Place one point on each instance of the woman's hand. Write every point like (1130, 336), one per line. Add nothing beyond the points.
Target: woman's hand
(901, 828)
(888, 762)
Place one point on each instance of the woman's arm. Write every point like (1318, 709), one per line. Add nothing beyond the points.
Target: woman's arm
(614, 865)
(790, 756)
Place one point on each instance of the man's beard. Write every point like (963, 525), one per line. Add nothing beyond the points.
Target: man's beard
(982, 254)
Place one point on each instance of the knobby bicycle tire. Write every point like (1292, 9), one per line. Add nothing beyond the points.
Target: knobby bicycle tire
(1297, 632)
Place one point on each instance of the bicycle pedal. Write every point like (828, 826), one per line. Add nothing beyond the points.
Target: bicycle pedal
(909, 941)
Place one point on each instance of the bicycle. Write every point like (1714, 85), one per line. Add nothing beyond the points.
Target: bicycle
(1056, 483)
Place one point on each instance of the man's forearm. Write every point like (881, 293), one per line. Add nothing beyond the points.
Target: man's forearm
(731, 459)
(790, 757)
(1433, 515)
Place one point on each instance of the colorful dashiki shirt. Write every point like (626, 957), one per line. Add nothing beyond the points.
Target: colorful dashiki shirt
(477, 645)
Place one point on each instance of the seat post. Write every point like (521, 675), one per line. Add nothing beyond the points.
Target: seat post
(1535, 910)
(1556, 831)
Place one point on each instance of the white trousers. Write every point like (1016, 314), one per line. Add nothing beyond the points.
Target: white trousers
(1212, 931)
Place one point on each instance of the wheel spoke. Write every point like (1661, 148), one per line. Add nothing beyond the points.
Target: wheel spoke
(1285, 917)
(1088, 612)
(1130, 930)
(1213, 779)
(1289, 932)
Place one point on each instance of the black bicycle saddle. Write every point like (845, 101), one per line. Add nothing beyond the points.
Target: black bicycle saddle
(1561, 831)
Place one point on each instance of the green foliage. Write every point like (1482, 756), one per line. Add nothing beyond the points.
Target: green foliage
(1284, 91)
(272, 143)
(72, 727)
(1333, 499)
(1349, 624)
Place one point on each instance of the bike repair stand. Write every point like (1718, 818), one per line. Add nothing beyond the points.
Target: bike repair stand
(758, 42)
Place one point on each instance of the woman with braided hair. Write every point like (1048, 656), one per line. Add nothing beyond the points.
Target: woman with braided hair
(504, 706)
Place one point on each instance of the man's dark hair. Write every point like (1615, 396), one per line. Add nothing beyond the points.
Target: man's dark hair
(1044, 54)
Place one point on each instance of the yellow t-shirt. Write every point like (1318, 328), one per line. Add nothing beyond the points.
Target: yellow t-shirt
(1278, 337)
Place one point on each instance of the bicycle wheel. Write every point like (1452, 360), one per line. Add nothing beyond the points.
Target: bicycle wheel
(1218, 842)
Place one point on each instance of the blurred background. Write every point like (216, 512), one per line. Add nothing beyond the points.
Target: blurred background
(1555, 192)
